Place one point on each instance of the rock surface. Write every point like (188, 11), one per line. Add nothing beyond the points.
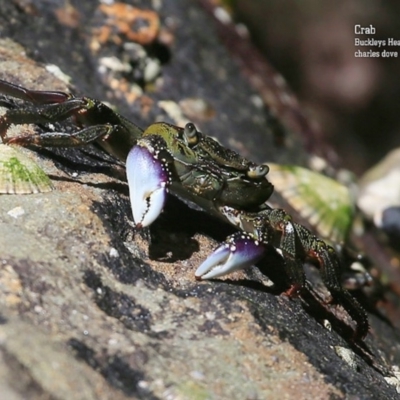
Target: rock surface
(91, 308)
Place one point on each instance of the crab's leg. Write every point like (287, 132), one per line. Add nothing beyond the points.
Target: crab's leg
(41, 113)
(279, 227)
(330, 268)
(33, 96)
(51, 107)
(62, 139)
(148, 169)
(52, 113)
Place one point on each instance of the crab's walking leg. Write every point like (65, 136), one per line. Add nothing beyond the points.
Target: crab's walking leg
(61, 139)
(278, 226)
(40, 114)
(51, 107)
(84, 109)
(33, 96)
(330, 268)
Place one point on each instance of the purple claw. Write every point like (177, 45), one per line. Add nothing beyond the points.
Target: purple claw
(148, 179)
(238, 252)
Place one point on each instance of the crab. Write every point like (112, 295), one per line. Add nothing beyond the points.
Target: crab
(195, 167)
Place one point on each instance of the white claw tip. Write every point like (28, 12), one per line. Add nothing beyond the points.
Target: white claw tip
(147, 180)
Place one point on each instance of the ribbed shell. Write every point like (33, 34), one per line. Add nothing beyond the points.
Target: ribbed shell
(325, 203)
(21, 175)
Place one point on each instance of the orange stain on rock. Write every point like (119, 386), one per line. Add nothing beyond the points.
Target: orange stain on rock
(140, 26)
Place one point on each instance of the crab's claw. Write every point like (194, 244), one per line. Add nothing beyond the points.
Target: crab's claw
(238, 252)
(148, 180)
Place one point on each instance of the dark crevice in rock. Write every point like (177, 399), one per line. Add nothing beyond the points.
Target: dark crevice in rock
(114, 211)
(115, 369)
(117, 305)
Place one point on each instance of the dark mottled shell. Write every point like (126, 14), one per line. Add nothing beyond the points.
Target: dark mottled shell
(19, 174)
(325, 203)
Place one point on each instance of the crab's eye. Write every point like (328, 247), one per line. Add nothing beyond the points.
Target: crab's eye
(258, 171)
(191, 134)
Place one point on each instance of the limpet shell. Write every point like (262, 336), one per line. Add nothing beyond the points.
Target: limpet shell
(325, 203)
(20, 175)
